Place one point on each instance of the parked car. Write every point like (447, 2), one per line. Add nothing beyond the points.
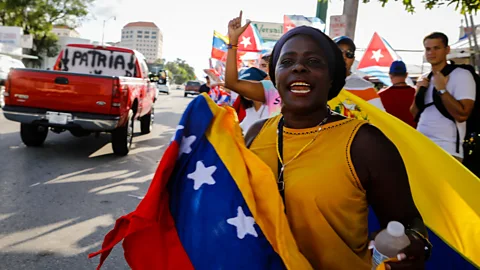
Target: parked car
(7, 63)
(92, 89)
(192, 88)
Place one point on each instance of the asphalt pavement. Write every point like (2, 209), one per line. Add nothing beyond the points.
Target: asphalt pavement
(58, 201)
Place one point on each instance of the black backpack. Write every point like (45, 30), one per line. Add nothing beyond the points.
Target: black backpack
(471, 142)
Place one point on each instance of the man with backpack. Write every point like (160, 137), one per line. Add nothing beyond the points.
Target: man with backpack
(445, 98)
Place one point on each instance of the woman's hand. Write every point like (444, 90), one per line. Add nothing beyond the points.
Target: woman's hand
(411, 258)
(235, 29)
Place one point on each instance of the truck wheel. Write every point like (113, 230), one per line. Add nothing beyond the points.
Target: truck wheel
(33, 135)
(146, 122)
(185, 95)
(122, 137)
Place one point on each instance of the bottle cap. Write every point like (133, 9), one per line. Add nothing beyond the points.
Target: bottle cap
(395, 228)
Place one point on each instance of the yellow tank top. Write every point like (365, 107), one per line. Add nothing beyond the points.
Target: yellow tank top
(326, 204)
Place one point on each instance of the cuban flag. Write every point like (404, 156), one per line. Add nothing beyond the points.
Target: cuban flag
(250, 40)
(219, 96)
(212, 204)
(377, 59)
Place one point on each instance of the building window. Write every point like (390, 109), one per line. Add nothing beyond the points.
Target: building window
(147, 32)
(147, 36)
(139, 36)
(139, 31)
(154, 37)
(154, 32)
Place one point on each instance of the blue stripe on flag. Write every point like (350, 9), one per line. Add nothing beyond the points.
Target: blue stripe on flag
(204, 117)
(219, 44)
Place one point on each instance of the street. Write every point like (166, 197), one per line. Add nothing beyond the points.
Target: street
(57, 202)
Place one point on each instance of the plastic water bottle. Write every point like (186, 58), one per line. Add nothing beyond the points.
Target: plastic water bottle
(389, 242)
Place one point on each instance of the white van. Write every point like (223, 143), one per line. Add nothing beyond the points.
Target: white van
(6, 64)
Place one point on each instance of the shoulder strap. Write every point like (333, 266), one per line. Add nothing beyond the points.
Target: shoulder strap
(437, 100)
(420, 99)
(280, 181)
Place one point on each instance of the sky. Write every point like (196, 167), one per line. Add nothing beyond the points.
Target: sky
(188, 25)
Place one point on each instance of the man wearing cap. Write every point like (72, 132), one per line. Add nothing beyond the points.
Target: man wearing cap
(398, 97)
(354, 83)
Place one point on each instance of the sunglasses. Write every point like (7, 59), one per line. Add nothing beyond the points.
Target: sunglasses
(349, 54)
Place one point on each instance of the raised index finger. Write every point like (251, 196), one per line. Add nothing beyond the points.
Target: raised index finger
(240, 16)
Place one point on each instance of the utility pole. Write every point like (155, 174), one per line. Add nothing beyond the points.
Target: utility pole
(469, 36)
(103, 29)
(322, 8)
(475, 42)
(350, 9)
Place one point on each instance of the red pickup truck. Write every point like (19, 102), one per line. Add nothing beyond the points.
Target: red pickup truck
(92, 89)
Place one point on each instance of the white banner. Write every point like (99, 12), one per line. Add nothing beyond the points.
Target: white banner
(98, 61)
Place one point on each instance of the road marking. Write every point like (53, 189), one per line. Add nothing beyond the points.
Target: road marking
(138, 197)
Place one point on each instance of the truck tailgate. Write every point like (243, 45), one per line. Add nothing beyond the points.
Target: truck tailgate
(61, 91)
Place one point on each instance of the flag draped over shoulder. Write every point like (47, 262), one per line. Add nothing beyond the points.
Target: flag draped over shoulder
(445, 192)
(212, 204)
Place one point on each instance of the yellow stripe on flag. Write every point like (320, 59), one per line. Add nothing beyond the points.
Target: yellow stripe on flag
(445, 192)
(220, 36)
(256, 182)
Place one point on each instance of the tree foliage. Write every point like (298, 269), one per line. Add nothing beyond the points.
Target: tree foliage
(37, 18)
(464, 6)
(180, 71)
(160, 61)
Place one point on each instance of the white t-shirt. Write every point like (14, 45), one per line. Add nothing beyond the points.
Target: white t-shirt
(440, 129)
(252, 116)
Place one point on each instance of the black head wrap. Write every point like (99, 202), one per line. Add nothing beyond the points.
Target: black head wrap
(336, 64)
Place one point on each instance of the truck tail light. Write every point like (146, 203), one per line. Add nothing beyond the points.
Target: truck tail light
(6, 93)
(117, 94)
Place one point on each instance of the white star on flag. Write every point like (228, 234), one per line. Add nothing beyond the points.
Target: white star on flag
(243, 223)
(202, 175)
(186, 145)
(289, 27)
(377, 55)
(245, 42)
(179, 127)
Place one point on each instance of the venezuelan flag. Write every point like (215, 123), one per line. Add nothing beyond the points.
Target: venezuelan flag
(219, 46)
(445, 192)
(212, 204)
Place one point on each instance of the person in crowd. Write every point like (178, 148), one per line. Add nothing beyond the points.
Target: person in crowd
(262, 91)
(398, 98)
(264, 63)
(457, 93)
(205, 88)
(329, 168)
(354, 83)
(254, 110)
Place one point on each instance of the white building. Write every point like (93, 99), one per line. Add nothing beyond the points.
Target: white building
(144, 37)
(65, 31)
(13, 41)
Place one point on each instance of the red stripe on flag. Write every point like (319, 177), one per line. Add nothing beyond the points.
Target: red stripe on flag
(150, 236)
(218, 54)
